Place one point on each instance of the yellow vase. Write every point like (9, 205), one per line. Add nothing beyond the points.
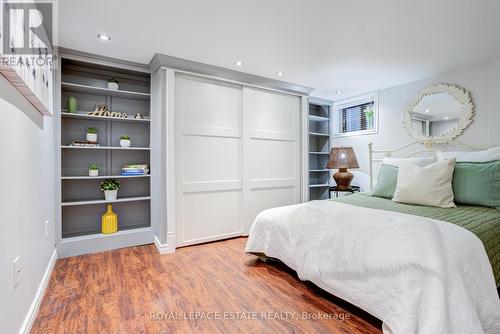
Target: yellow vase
(109, 221)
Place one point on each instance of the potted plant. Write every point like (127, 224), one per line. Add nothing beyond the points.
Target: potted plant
(369, 114)
(92, 134)
(93, 170)
(110, 188)
(125, 141)
(113, 84)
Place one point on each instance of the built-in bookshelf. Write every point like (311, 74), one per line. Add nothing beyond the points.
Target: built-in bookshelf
(319, 148)
(81, 201)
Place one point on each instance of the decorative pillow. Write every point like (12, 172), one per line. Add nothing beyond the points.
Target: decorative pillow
(477, 183)
(423, 161)
(386, 182)
(429, 185)
(491, 154)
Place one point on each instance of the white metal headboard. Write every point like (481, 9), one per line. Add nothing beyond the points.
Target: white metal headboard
(377, 156)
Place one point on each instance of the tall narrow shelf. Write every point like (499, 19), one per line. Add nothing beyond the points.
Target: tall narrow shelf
(82, 203)
(319, 148)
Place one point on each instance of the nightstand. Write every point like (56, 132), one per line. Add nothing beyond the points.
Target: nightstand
(354, 189)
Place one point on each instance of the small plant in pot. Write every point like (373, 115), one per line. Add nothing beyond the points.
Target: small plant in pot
(113, 84)
(92, 134)
(125, 141)
(93, 170)
(110, 188)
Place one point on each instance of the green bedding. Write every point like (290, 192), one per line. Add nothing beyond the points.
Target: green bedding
(482, 221)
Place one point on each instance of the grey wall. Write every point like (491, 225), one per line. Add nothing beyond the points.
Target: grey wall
(482, 80)
(26, 201)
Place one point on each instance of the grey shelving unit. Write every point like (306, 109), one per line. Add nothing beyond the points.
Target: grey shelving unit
(82, 203)
(319, 148)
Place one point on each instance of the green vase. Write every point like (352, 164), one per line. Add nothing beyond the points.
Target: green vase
(72, 104)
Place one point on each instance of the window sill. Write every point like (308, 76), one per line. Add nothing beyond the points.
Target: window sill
(355, 133)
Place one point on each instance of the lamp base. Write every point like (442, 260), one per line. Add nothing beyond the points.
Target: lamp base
(343, 179)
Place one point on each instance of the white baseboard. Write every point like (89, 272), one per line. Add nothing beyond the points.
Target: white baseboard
(35, 305)
(167, 248)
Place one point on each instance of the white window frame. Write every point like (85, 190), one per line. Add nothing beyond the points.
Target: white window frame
(357, 100)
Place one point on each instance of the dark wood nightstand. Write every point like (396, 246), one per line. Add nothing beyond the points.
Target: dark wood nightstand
(354, 189)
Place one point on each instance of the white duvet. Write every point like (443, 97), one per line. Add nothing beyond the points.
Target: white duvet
(418, 275)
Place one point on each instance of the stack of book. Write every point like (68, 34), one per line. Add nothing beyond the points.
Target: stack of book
(135, 169)
(84, 143)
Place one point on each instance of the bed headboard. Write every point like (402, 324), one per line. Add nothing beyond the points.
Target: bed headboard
(417, 148)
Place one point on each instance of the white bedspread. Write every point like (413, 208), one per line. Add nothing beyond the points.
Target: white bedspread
(418, 275)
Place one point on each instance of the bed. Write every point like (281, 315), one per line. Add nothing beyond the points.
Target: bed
(419, 269)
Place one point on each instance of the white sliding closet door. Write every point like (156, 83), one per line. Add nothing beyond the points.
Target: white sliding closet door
(271, 144)
(208, 160)
(237, 153)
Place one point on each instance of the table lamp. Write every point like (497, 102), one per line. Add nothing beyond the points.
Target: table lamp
(342, 158)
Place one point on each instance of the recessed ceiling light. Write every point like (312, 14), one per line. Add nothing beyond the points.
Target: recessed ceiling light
(446, 118)
(427, 110)
(339, 92)
(103, 37)
(238, 63)
(280, 74)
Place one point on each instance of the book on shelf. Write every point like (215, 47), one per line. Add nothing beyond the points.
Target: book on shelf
(84, 143)
(135, 169)
(132, 173)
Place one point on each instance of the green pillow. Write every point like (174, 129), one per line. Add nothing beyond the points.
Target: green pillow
(477, 183)
(386, 183)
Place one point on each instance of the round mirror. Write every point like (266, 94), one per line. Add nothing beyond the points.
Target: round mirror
(439, 114)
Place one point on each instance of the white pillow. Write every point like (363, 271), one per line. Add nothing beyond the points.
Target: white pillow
(474, 156)
(396, 162)
(429, 185)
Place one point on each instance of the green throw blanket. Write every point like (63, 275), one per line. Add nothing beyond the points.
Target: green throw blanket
(482, 221)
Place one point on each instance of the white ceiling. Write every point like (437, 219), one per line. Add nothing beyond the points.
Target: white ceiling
(355, 46)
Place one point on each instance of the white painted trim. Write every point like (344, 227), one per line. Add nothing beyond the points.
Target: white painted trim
(35, 305)
(304, 145)
(170, 181)
(212, 238)
(241, 83)
(167, 248)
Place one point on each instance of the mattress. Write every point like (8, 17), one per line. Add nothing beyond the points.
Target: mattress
(482, 221)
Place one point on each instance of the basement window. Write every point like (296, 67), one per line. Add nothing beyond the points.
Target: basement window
(357, 116)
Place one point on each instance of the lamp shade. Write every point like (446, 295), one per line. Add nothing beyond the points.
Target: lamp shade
(342, 157)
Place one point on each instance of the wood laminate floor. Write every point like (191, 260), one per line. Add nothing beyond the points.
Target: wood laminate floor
(210, 288)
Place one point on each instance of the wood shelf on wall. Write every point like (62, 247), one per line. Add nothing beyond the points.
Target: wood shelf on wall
(318, 118)
(84, 116)
(83, 177)
(86, 89)
(95, 234)
(132, 148)
(104, 201)
(317, 134)
(319, 185)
